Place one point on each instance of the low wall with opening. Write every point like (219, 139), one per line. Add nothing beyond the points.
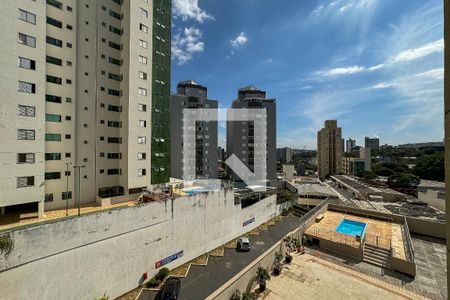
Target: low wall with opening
(108, 251)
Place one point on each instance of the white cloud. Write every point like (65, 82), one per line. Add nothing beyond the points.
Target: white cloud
(345, 7)
(437, 74)
(384, 85)
(376, 67)
(341, 71)
(186, 43)
(240, 40)
(416, 53)
(189, 9)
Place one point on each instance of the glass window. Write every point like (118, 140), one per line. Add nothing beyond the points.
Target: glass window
(27, 40)
(54, 79)
(27, 16)
(142, 59)
(53, 60)
(27, 87)
(143, 44)
(55, 42)
(54, 22)
(54, 99)
(25, 158)
(53, 137)
(52, 118)
(27, 111)
(52, 175)
(25, 134)
(52, 156)
(27, 63)
(25, 181)
(55, 3)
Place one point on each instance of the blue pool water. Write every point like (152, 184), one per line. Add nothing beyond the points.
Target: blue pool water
(192, 192)
(350, 227)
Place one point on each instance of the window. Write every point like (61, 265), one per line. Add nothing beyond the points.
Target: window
(142, 123)
(27, 16)
(114, 108)
(143, 44)
(68, 197)
(114, 155)
(144, 13)
(114, 140)
(142, 59)
(27, 87)
(54, 79)
(115, 15)
(115, 77)
(141, 172)
(142, 75)
(53, 60)
(114, 124)
(27, 40)
(27, 111)
(25, 158)
(52, 175)
(48, 198)
(112, 92)
(27, 63)
(55, 42)
(142, 140)
(25, 134)
(115, 61)
(143, 28)
(141, 155)
(114, 46)
(115, 30)
(25, 181)
(118, 1)
(54, 99)
(53, 137)
(52, 156)
(55, 3)
(54, 22)
(142, 91)
(52, 118)
(142, 107)
(113, 171)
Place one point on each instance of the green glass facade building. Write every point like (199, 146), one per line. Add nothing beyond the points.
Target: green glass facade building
(162, 27)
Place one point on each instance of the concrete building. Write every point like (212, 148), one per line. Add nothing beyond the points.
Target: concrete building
(433, 193)
(357, 166)
(191, 95)
(88, 84)
(342, 146)
(289, 172)
(329, 149)
(221, 154)
(372, 143)
(284, 155)
(240, 135)
(350, 144)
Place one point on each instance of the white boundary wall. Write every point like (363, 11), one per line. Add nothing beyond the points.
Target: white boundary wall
(82, 258)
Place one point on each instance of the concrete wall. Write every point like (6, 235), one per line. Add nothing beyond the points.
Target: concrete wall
(349, 251)
(82, 258)
(434, 198)
(425, 227)
(404, 266)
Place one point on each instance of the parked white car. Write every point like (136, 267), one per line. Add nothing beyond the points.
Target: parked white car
(243, 244)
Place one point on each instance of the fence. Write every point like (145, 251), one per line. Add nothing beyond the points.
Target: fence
(378, 241)
(409, 246)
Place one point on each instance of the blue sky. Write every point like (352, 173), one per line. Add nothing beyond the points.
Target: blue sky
(374, 65)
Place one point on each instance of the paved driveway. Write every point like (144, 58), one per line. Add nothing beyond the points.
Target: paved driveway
(203, 280)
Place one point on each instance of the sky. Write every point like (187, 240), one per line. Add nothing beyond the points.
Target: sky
(374, 65)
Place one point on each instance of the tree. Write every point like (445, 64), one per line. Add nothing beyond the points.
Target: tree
(404, 180)
(369, 175)
(431, 167)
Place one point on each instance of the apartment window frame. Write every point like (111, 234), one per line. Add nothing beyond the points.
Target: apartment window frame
(26, 111)
(25, 181)
(26, 40)
(27, 16)
(26, 134)
(26, 158)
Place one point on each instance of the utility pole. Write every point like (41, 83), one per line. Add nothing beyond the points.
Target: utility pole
(79, 185)
(67, 187)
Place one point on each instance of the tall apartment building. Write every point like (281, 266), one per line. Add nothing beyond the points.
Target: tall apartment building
(329, 149)
(284, 155)
(357, 166)
(350, 144)
(86, 83)
(372, 143)
(191, 95)
(240, 134)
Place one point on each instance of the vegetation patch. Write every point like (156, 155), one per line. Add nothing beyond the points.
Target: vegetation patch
(6, 244)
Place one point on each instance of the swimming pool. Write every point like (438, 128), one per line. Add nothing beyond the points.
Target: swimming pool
(351, 227)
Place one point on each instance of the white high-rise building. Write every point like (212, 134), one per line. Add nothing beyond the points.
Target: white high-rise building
(83, 83)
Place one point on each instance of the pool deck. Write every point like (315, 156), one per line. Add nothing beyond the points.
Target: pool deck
(388, 232)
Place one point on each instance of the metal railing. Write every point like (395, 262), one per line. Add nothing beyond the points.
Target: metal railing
(409, 246)
(335, 236)
(378, 241)
(312, 213)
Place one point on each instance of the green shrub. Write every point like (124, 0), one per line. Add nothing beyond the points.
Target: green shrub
(249, 296)
(162, 274)
(154, 282)
(236, 295)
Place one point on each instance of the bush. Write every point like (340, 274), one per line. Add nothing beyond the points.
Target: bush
(236, 295)
(249, 296)
(262, 274)
(162, 274)
(154, 282)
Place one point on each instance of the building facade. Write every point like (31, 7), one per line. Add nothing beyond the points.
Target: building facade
(372, 143)
(191, 95)
(240, 135)
(357, 166)
(88, 85)
(329, 149)
(350, 144)
(284, 155)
